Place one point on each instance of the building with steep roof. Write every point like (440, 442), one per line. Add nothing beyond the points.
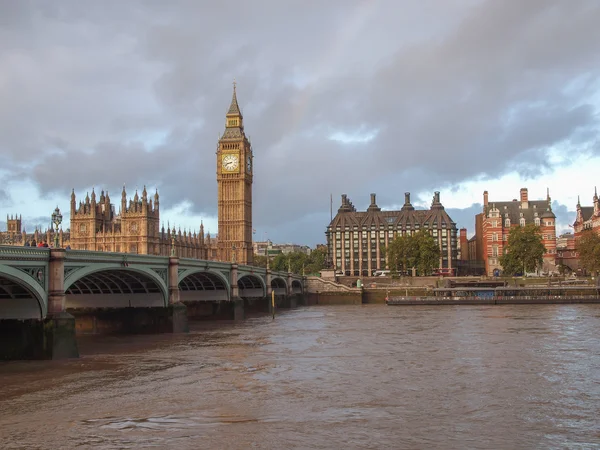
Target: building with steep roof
(356, 239)
(588, 217)
(493, 226)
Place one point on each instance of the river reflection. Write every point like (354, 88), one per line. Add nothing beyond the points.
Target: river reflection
(506, 377)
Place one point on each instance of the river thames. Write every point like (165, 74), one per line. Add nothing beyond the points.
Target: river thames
(373, 376)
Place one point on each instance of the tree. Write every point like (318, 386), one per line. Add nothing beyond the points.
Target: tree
(588, 247)
(524, 250)
(316, 261)
(401, 253)
(428, 256)
(419, 250)
(300, 262)
(259, 261)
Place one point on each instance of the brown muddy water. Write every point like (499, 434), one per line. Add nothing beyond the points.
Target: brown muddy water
(414, 377)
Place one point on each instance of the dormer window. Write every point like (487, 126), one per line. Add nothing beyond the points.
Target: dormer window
(522, 221)
(507, 222)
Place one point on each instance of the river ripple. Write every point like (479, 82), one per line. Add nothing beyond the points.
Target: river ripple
(505, 377)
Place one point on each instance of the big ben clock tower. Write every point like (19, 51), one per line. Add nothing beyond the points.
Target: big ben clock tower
(234, 183)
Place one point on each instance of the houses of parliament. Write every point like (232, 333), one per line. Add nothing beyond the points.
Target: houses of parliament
(96, 225)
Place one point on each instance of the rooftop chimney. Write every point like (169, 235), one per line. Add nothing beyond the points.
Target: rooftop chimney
(485, 198)
(436, 201)
(407, 205)
(373, 206)
(524, 199)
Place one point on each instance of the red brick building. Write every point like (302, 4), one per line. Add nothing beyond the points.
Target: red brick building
(566, 255)
(588, 217)
(493, 226)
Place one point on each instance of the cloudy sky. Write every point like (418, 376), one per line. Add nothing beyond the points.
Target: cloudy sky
(338, 96)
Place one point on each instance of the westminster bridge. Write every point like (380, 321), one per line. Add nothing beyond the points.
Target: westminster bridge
(49, 295)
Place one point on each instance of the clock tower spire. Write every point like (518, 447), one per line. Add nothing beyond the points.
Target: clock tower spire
(234, 185)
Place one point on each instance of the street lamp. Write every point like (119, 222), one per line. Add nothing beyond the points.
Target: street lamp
(56, 220)
(267, 253)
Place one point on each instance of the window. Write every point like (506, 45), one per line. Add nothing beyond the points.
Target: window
(537, 221)
(494, 236)
(389, 219)
(507, 223)
(522, 221)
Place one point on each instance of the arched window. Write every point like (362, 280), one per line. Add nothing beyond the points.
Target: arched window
(522, 221)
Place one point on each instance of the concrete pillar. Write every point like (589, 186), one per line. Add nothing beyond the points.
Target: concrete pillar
(173, 280)
(268, 279)
(233, 281)
(289, 283)
(56, 281)
(177, 312)
(59, 326)
(238, 303)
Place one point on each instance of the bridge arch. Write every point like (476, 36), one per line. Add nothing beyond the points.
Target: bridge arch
(203, 285)
(297, 287)
(251, 285)
(279, 285)
(19, 297)
(115, 286)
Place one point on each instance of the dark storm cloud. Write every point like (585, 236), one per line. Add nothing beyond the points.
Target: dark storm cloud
(106, 93)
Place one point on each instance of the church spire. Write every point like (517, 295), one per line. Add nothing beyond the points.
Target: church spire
(234, 108)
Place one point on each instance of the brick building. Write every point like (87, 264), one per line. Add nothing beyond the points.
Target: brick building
(493, 225)
(356, 239)
(566, 255)
(588, 217)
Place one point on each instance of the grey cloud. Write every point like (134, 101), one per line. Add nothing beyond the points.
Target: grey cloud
(565, 216)
(136, 92)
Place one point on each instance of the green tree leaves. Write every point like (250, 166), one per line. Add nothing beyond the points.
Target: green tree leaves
(420, 250)
(299, 261)
(524, 250)
(588, 247)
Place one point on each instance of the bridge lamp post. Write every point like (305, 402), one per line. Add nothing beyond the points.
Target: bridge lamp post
(267, 253)
(56, 220)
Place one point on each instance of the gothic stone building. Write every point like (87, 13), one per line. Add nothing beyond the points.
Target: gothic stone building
(16, 235)
(356, 239)
(493, 226)
(135, 229)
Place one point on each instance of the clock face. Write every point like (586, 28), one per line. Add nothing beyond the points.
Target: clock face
(230, 162)
(249, 164)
